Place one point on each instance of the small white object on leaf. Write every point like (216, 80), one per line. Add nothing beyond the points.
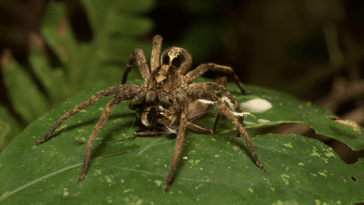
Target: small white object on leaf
(224, 98)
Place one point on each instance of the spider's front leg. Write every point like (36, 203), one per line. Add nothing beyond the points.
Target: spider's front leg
(156, 51)
(94, 98)
(203, 68)
(223, 81)
(235, 105)
(105, 115)
(138, 55)
(180, 136)
(123, 92)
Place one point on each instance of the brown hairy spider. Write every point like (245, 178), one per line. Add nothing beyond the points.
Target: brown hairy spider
(171, 101)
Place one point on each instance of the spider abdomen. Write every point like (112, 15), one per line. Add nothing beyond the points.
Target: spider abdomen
(158, 117)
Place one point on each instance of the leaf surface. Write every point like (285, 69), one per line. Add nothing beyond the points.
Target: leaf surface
(132, 170)
(8, 127)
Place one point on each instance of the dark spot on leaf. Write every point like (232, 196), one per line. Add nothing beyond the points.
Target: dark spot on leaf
(78, 143)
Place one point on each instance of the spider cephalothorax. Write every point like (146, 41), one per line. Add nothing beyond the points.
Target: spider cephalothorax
(170, 100)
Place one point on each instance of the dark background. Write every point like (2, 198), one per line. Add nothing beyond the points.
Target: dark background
(311, 49)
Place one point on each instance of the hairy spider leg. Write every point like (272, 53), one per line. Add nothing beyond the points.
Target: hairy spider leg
(134, 103)
(197, 90)
(223, 81)
(202, 130)
(231, 117)
(203, 68)
(94, 98)
(105, 115)
(156, 51)
(148, 132)
(138, 55)
(190, 125)
(179, 142)
(199, 129)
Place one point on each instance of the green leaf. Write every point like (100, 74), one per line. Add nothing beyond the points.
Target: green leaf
(9, 127)
(53, 79)
(98, 11)
(27, 99)
(288, 109)
(137, 26)
(116, 26)
(101, 61)
(271, 108)
(204, 41)
(132, 170)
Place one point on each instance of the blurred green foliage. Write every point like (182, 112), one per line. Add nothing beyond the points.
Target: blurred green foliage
(116, 26)
(8, 127)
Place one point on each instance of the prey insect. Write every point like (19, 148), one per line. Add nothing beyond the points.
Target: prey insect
(170, 100)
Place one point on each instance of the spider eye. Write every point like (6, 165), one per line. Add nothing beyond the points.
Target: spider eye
(174, 56)
(165, 60)
(178, 61)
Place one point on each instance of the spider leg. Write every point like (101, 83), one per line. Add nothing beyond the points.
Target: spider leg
(194, 92)
(138, 55)
(156, 51)
(198, 88)
(105, 115)
(179, 142)
(134, 103)
(203, 68)
(87, 103)
(223, 81)
(241, 129)
(190, 125)
(199, 129)
(148, 132)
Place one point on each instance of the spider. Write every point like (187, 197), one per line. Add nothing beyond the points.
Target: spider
(170, 101)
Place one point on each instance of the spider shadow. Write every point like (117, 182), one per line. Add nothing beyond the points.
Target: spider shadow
(117, 148)
(93, 122)
(107, 139)
(184, 152)
(106, 136)
(238, 142)
(230, 137)
(172, 138)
